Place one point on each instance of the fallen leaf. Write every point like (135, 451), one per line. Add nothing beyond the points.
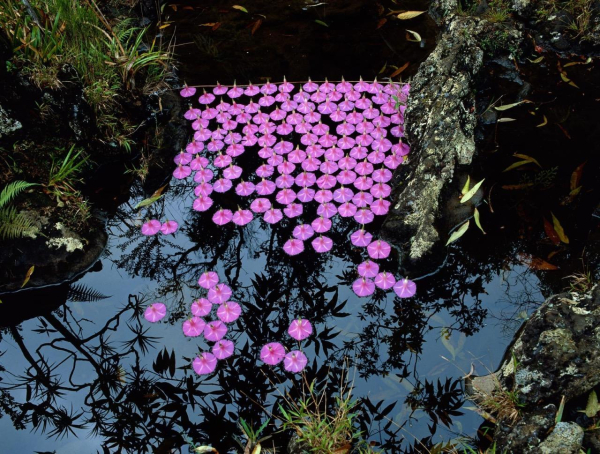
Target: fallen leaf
(544, 123)
(565, 132)
(217, 25)
(527, 158)
(465, 188)
(399, 70)
(409, 14)
(537, 60)
(28, 276)
(168, 24)
(383, 68)
(576, 177)
(471, 192)
(381, 23)
(559, 229)
(208, 24)
(592, 408)
(416, 35)
(256, 25)
(320, 22)
(458, 233)
(174, 7)
(516, 164)
(146, 202)
(510, 106)
(505, 120)
(240, 8)
(551, 233)
(159, 191)
(257, 449)
(536, 263)
(477, 221)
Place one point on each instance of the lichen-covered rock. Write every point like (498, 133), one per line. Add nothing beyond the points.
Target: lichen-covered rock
(440, 127)
(7, 123)
(555, 354)
(566, 438)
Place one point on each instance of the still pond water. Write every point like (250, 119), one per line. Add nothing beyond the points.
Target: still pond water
(93, 375)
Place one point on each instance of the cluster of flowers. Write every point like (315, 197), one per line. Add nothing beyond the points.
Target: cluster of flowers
(295, 360)
(153, 226)
(214, 331)
(327, 169)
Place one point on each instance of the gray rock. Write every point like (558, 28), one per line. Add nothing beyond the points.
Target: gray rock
(566, 438)
(8, 124)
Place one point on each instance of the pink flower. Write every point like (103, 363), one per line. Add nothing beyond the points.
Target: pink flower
(223, 349)
(151, 227)
(295, 361)
(193, 327)
(169, 227)
(214, 331)
(272, 353)
(300, 329)
(229, 312)
(201, 307)
(155, 312)
(205, 363)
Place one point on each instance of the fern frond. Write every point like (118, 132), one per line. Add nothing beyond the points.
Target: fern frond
(11, 190)
(83, 294)
(13, 224)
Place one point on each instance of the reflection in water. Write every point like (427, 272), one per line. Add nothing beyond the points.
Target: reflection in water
(98, 368)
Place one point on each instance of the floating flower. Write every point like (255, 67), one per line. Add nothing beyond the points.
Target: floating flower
(293, 246)
(151, 227)
(208, 279)
(229, 312)
(214, 331)
(272, 353)
(300, 329)
(295, 361)
(169, 227)
(193, 327)
(379, 249)
(405, 288)
(322, 244)
(155, 312)
(219, 294)
(385, 280)
(186, 92)
(223, 349)
(201, 307)
(363, 287)
(205, 363)
(368, 269)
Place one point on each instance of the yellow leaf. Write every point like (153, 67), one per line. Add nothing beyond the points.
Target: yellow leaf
(516, 164)
(471, 192)
(159, 191)
(409, 14)
(208, 24)
(572, 84)
(458, 233)
(416, 35)
(477, 222)
(383, 68)
(510, 106)
(544, 123)
(257, 449)
(576, 177)
(575, 191)
(564, 77)
(320, 22)
(559, 230)
(204, 449)
(537, 60)
(168, 24)
(465, 188)
(527, 158)
(240, 8)
(505, 120)
(399, 70)
(28, 276)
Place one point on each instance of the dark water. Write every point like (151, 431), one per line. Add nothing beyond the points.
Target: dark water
(82, 371)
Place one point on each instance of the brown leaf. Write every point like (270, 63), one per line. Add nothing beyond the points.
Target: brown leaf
(565, 132)
(190, 8)
(217, 25)
(536, 263)
(381, 23)
(28, 276)
(551, 233)
(174, 7)
(257, 25)
(576, 177)
(400, 70)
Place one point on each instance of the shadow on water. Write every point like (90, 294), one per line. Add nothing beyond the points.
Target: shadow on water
(95, 368)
